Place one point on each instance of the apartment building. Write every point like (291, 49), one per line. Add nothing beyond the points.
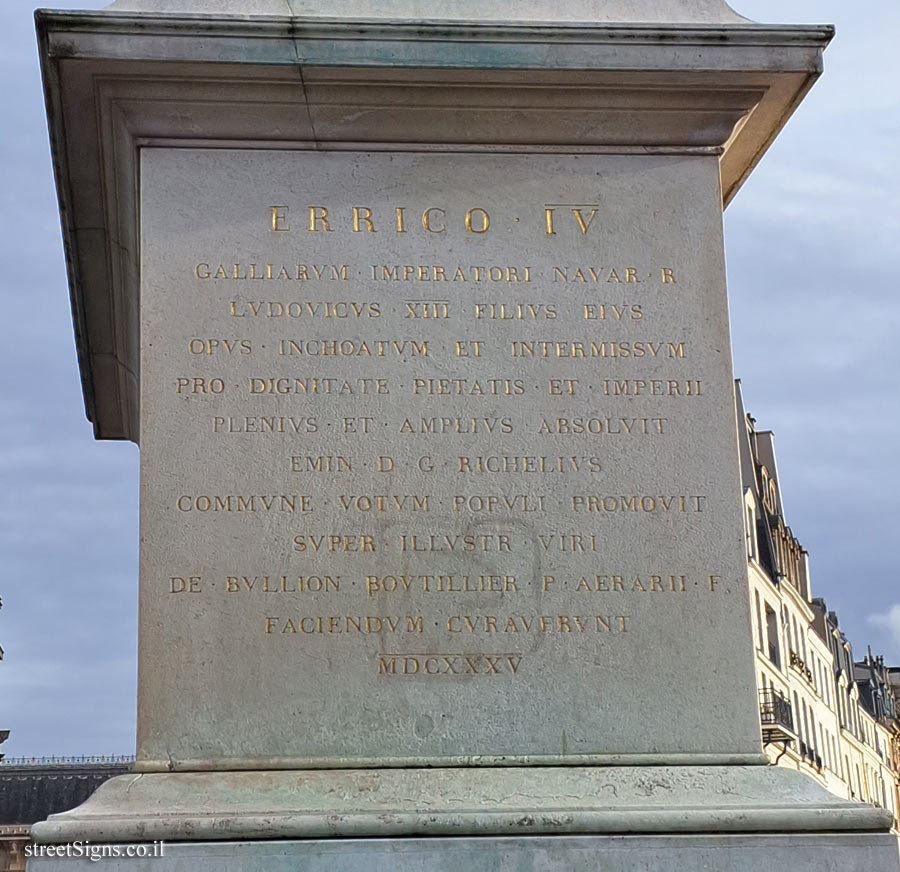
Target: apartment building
(822, 711)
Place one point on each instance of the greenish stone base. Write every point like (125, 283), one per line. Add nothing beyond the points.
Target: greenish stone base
(476, 801)
(726, 853)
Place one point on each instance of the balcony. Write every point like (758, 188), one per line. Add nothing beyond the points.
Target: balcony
(776, 716)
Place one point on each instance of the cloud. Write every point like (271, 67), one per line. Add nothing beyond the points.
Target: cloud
(890, 621)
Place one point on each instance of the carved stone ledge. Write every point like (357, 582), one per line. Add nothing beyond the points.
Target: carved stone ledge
(464, 801)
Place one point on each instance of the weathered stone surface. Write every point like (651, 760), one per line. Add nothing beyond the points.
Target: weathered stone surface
(451, 483)
(447, 801)
(606, 11)
(439, 476)
(800, 853)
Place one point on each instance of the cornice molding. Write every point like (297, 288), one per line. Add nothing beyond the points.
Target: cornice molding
(116, 82)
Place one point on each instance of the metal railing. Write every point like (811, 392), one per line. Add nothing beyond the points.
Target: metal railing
(108, 759)
(775, 710)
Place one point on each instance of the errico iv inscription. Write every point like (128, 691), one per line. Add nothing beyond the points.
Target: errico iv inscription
(409, 466)
(421, 324)
(441, 517)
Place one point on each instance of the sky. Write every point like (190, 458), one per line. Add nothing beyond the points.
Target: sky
(813, 269)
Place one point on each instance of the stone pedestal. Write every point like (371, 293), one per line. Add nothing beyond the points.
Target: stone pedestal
(422, 327)
(741, 853)
(541, 818)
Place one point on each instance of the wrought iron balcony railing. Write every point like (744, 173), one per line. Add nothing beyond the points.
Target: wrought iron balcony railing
(776, 716)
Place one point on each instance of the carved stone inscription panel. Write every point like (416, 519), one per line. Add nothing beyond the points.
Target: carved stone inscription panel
(438, 460)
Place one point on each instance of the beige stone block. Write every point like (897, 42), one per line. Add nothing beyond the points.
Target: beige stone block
(456, 482)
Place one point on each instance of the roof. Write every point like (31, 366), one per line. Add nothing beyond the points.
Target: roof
(30, 793)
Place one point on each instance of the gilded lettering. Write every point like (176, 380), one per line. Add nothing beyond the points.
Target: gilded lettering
(264, 424)
(560, 350)
(482, 221)
(427, 219)
(320, 463)
(364, 214)
(493, 387)
(179, 584)
(279, 218)
(352, 348)
(318, 215)
(634, 504)
(447, 664)
(346, 625)
(498, 503)
(261, 504)
(603, 426)
(380, 503)
(334, 543)
(583, 225)
(548, 222)
(518, 624)
(196, 385)
(468, 348)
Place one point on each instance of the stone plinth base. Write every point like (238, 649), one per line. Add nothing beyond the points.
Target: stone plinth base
(473, 801)
(567, 818)
(725, 853)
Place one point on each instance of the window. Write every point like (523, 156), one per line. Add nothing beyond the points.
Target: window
(759, 623)
(774, 650)
(751, 533)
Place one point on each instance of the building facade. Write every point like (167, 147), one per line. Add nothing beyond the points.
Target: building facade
(822, 712)
(31, 789)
